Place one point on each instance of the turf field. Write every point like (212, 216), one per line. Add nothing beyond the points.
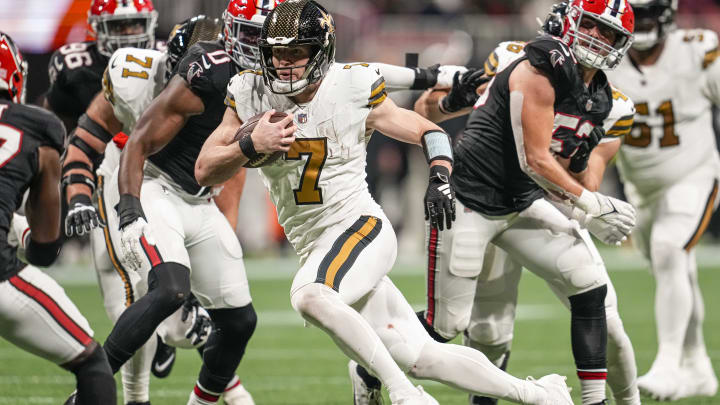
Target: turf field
(289, 364)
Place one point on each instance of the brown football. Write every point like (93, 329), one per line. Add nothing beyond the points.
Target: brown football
(263, 159)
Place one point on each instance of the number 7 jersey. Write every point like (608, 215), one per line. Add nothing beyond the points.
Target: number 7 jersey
(672, 135)
(320, 182)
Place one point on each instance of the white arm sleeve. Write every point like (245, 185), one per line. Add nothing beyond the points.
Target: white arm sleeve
(396, 77)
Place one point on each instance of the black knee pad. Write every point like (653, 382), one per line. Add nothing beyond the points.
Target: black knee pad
(589, 329)
(169, 285)
(239, 322)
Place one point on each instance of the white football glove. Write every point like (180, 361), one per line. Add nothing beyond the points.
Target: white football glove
(130, 244)
(200, 323)
(446, 74)
(18, 235)
(608, 219)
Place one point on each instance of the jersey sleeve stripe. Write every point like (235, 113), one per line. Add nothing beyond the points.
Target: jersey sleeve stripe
(230, 102)
(710, 57)
(377, 87)
(613, 133)
(491, 64)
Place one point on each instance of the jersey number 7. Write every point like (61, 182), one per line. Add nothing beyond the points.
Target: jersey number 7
(315, 149)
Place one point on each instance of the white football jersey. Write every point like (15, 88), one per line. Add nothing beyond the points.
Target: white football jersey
(672, 135)
(131, 81)
(616, 125)
(321, 181)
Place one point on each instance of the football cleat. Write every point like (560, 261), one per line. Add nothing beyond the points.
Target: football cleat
(420, 398)
(237, 395)
(698, 379)
(71, 399)
(363, 393)
(164, 359)
(660, 384)
(556, 388)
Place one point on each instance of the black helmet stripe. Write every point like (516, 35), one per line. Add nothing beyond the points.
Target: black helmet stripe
(286, 19)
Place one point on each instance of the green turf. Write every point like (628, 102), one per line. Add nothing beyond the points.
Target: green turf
(289, 364)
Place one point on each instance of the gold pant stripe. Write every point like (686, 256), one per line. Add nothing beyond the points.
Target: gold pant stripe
(129, 294)
(705, 220)
(347, 247)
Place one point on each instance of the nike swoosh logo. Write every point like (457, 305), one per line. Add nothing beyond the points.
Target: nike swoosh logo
(207, 65)
(164, 365)
(113, 63)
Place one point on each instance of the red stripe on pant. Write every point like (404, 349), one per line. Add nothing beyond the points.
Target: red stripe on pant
(592, 375)
(432, 264)
(49, 304)
(204, 395)
(151, 252)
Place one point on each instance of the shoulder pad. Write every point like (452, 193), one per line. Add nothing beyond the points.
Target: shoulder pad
(206, 68)
(503, 55)
(52, 129)
(620, 121)
(551, 56)
(366, 83)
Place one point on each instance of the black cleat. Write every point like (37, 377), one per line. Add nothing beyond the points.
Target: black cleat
(478, 400)
(164, 359)
(71, 400)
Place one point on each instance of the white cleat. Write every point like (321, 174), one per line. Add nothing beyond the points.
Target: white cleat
(362, 393)
(697, 378)
(237, 395)
(558, 393)
(660, 384)
(419, 398)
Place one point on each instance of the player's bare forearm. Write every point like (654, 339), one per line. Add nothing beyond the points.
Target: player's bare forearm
(158, 125)
(228, 201)
(220, 157)
(43, 204)
(600, 158)
(428, 105)
(398, 123)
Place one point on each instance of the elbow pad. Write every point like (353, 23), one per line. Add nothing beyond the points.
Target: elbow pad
(42, 254)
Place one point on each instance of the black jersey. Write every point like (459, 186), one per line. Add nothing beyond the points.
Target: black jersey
(23, 129)
(207, 69)
(75, 72)
(487, 174)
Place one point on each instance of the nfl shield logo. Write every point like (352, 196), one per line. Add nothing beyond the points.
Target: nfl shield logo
(301, 118)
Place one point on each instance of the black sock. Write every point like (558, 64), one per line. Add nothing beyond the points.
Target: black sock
(369, 380)
(95, 382)
(589, 329)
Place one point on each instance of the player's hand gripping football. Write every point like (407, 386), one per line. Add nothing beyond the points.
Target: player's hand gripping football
(134, 231)
(269, 137)
(200, 322)
(81, 217)
(440, 198)
(609, 219)
(463, 92)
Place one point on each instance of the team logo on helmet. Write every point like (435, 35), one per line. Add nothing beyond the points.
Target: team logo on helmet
(326, 21)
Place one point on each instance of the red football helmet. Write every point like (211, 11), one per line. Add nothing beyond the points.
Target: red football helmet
(617, 16)
(119, 24)
(13, 69)
(243, 21)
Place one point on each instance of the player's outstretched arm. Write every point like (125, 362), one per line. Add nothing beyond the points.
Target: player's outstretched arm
(408, 126)
(84, 153)
(221, 156)
(43, 210)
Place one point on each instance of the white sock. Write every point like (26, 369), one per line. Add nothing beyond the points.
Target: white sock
(593, 390)
(136, 373)
(622, 369)
(201, 396)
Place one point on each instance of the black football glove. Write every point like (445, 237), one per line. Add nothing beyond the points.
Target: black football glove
(463, 93)
(579, 161)
(425, 78)
(81, 217)
(440, 198)
(200, 323)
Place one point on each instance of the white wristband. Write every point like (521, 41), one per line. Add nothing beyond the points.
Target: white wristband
(588, 202)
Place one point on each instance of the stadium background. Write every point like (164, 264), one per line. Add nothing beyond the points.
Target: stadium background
(459, 32)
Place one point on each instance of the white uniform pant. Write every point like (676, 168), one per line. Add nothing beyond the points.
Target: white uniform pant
(465, 264)
(37, 316)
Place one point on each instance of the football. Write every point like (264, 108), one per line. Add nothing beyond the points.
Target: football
(263, 159)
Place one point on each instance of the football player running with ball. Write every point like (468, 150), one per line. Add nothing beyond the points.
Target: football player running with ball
(35, 313)
(670, 166)
(345, 242)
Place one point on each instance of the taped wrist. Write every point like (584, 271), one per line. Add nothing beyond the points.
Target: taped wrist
(247, 147)
(129, 209)
(437, 145)
(95, 129)
(42, 254)
(425, 78)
